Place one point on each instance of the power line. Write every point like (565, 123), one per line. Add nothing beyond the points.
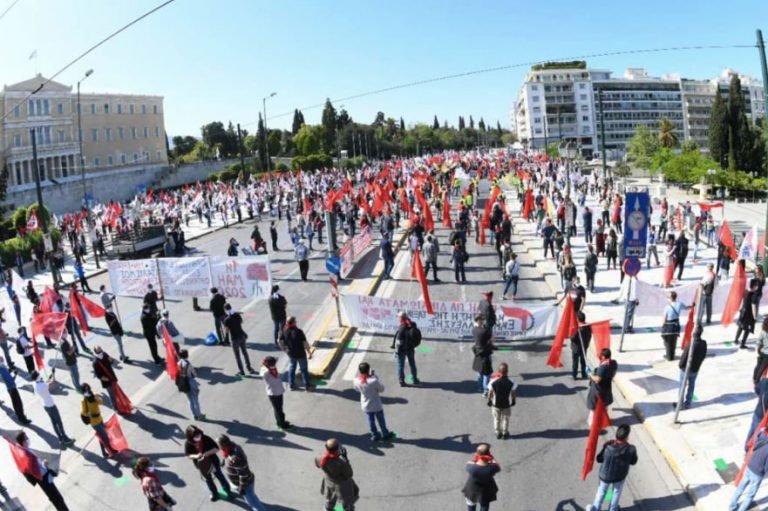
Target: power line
(86, 52)
(511, 66)
(8, 9)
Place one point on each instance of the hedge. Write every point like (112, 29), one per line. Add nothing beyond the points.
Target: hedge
(24, 245)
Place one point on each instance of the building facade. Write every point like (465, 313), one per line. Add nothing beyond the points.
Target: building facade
(571, 95)
(117, 131)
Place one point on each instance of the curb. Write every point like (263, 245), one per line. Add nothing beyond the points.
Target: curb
(327, 368)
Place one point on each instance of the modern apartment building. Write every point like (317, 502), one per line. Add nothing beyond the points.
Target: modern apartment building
(117, 131)
(571, 94)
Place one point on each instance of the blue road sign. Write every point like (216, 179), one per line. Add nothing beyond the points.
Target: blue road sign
(333, 265)
(632, 266)
(636, 221)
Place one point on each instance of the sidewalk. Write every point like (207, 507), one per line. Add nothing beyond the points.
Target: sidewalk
(706, 449)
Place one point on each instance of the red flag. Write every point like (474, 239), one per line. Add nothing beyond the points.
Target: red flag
(528, 205)
(418, 269)
(48, 300)
(616, 213)
(122, 402)
(117, 208)
(94, 310)
(447, 212)
(171, 364)
(568, 326)
(115, 434)
(601, 335)
(735, 295)
(32, 223)
(404, 204)
(76, 310)
(726, 238)
(25, 460)
(689, 325)
(429, 223)
(49, 324)
(600, 421)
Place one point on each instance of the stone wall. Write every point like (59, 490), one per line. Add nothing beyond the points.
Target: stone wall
(66, 194)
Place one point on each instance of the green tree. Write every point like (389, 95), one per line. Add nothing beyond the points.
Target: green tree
(261, 143)
(308, 140)
(718, 130)
(689, 146)
(481, 125)
(214, 134)
(461, 123)
(435, 124)
(471, 122)
(739, 139)
(343, 119)
(667, 135)
(274, 142)
(402, 125)
(642, 146)
(328, 123)
(498, 128)
(183, 145)
(380, 119)
(298, 121)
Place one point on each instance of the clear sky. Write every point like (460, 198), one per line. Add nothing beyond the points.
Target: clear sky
(216, 59)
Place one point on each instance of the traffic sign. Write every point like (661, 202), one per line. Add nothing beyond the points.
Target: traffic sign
(632, 266)
(333, 265)
(636, 220)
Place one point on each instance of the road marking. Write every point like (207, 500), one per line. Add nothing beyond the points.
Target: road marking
(720, 464)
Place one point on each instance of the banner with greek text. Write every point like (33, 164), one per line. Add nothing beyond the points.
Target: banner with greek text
(451, 319)
(130, 278)
(184, 277)
(242, 277)
(352, 250)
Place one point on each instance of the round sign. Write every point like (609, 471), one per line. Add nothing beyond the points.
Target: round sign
(632, 266)
(333, 265)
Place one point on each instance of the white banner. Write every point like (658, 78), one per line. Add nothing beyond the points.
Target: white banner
(184, 277)
(451, 319)
(653, 299)
(352, 250)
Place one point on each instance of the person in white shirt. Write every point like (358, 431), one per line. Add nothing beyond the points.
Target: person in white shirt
(275, 390)
(370, 389)
(26, 350)
(512, 276)
(43, 391)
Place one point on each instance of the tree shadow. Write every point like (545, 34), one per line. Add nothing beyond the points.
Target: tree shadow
(354, 395)
(255, 435)
(556, 434)
(459, 387)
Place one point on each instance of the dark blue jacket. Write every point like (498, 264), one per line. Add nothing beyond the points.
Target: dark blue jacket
(759, 462)
(10, 381)
(616, 458)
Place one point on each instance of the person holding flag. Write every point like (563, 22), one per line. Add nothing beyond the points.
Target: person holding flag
(36, 471)
(90, 413)
(601, 382)
(616, 457)
(699, 353)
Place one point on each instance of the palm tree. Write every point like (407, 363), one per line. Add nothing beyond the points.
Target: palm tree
(667, 136)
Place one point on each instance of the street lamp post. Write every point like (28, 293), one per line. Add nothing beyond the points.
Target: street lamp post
(80, 134)
(568, 150)
(266, 139)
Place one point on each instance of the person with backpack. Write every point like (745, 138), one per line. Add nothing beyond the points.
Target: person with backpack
(186, 382)
(406, 340)
(616, 457)
(601, 382)
(502, 396)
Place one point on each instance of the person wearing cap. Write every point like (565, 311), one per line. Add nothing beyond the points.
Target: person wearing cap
(173, 332)
(278, 306)
(233, 324)
(275, 390)
(219, 315)
(486, 309)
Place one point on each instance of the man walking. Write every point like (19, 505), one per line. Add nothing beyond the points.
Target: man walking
(502, 396)
(149, 329)
(511, 277)
(707, 284)
(387, 254)
(302, 256)
(219, 315)
(239, 473)
(407, 338)
(616, 457)
(681, 252)
(278, 306)
(579, 344)
(586, 218)
(487, 310)
(295, 344)
(370, 388)
(337, 485)
(275, 390)
(430, 255)
(480, 487)
(233, 325)
(699, 354)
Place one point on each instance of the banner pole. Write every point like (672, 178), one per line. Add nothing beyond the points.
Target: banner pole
(688, 361)
(626, 310)
(160, 281)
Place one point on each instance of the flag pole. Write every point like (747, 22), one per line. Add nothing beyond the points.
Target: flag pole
(160, 281)
(696, 323)
(626, 311)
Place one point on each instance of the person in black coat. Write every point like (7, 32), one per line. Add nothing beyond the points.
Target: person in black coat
(202, 450)
(699, 354)
(483, 350)
(148, 328)
(278, 306)
(746, 319)
(487, 310)
(480, 488)
(580, 340)
(616, 457)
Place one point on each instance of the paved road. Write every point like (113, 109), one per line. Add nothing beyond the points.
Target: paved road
(438, 423)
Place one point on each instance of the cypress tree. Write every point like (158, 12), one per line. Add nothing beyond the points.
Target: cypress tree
(471, 122)
(402, 124)
(435, 124)
(298, 121)
(718, 130)
(461, 123)
(736, 111)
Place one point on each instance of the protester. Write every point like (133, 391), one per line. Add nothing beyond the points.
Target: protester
(73, 328)
(103, 369)
(459, 260)
(487, 310)
(590, 268)
(233, 325)
(370, 388)
(9, 379)
(387, 254)
(90, 413)
(278, 306)
(430, 251)
(43, 391)
(116, 329)
(295, 344)
(753, 475)
(511, 277)
(616, 457)
(186, 382)
(579, 346)
(338, 484)
(502, 396)
(157, 498)
(165, 323)
(275, 390)
(746, 321)
(762, 353)
(25, 348)
(301, 252)
(482, 349)
(707, 285)
(670, 329)
(70, 360)
(480, 488)
(699, 354)
(202, 450)
(239, 473)
(601, 382)
(149, 329)
(219, 315)
(41, 475)
(406, 339)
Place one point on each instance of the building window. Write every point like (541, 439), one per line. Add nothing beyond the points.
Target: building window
(119, 108)
(144, 109)
(31, 108)
(146, 132)
(96, 162)
(110, 160)
(61, 138)
(583, 97)
(135, 157)
(121, 132)
(17, 140)
(60, 109)
(94, 135)
(46, 107)
(584, 118)
(535, 99)
(584, 108)
(538, 131)
(108, 134)
(157, 132)
(130, 109)
(133, 133)
(582, 86)
(16, 111)
(93, 109)
(154, 109)
(122, 159)
(106, 108)
(534, 87)
(537, 109)
(160, 155)
(536, 120)
(64, 171)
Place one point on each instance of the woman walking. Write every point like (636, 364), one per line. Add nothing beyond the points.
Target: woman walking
(157, 498)
(746, 319)
(612, 250)
(669, 261)
(202, 450)
(90, 413)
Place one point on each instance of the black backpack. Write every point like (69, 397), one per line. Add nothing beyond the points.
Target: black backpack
(19, 347)
(413, 336)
